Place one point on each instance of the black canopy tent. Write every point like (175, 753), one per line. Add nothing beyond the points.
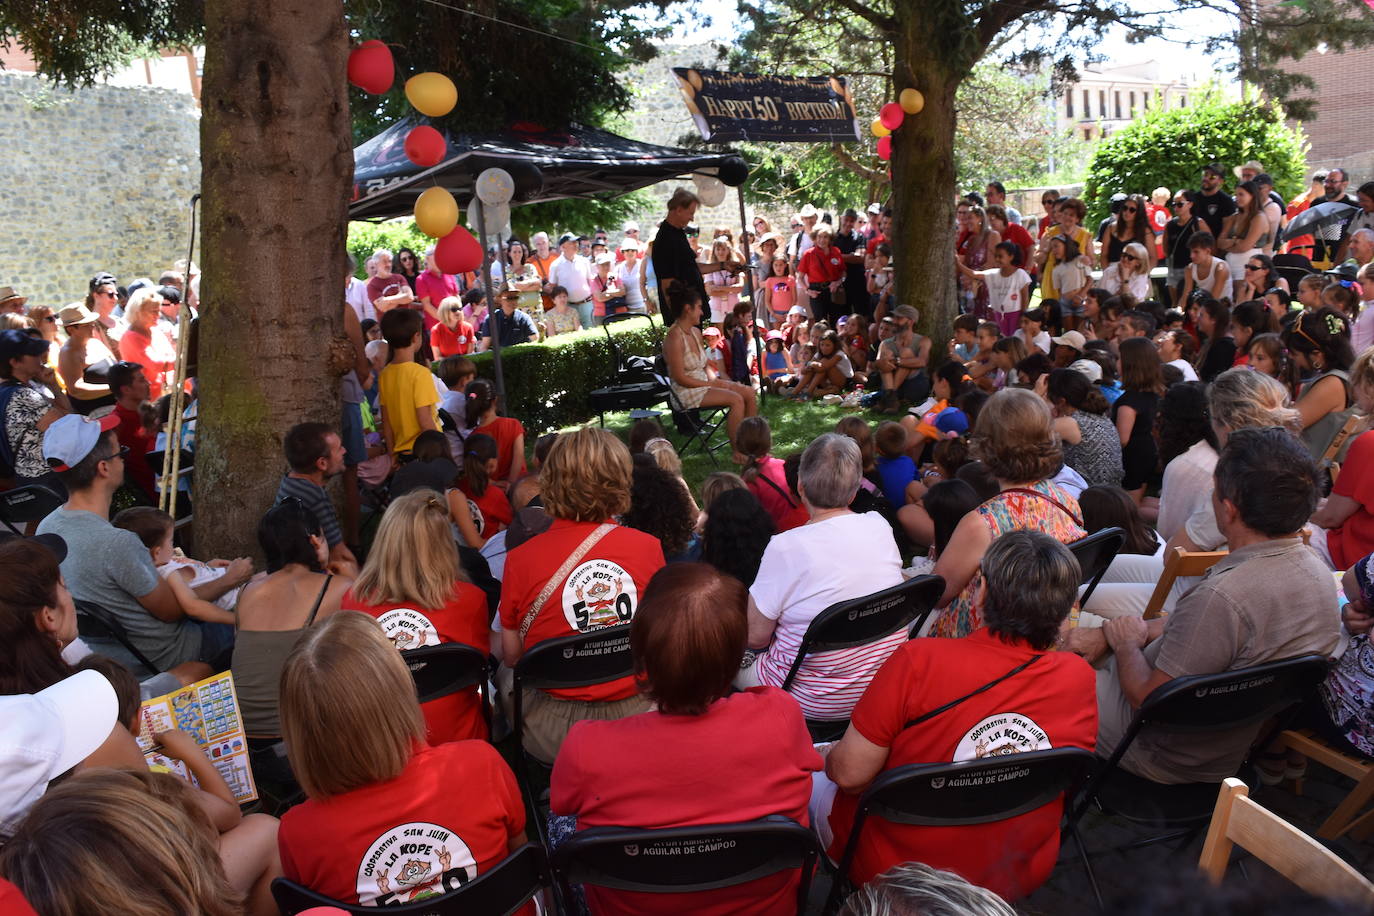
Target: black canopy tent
(546, 165)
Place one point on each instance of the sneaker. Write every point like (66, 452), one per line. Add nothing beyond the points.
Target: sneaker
(871, 399)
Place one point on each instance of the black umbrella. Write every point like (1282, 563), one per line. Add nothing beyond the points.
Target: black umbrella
(1315, 217)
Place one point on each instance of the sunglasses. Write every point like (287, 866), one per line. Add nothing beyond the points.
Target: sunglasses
(1129, 257)
(1130, 209)
(1254, 267)
(122, 454)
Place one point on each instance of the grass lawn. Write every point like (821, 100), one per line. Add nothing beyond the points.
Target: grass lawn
(794, 425)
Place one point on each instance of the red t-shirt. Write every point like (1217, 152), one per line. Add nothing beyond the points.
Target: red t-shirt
(749, 756)
(131, 433)
(12, 902)
(437, 287)
(786, 510)
(463, 619)
(874, 242)
(505, 430)
(601, 591)
(1159, 218)
(457, 341)
(822, 267)
(1354, 538)
(155, 352)
(384, 287)
(1051, 704)
(495, 506)
(450, 816)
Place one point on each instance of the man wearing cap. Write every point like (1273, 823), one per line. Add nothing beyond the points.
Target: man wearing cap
(109, 566)
(11, 302)
(820, 276)
(674, 258)
(84, 348)
(512, 325)
(31, 400)
(1068, 348)
(1213, 203)
(901, 362)
(574, 273)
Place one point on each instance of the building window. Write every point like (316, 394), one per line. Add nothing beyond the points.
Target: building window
(1101, 103)
(1087, 106)
(1183, 100)
(1116, 99)
(1132, 108)
(1087, 133)
(1068, 104)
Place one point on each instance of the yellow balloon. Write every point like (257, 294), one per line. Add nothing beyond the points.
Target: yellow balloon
(878, 129)
(432, 94)
(911, 101)
(436, 213)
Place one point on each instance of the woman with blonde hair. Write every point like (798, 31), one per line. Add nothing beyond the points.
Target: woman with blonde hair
(1130, 274)
(389, 818)
(584, 573)
(415, 587)
(101, 844)
(1014, 437)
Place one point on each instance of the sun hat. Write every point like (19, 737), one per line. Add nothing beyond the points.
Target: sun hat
(774, 335)
(628, 244)
(808, 211)
(797, 310)
(8, 295)
(1252, 164)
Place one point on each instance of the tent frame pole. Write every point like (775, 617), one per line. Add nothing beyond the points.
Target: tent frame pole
(749, 293)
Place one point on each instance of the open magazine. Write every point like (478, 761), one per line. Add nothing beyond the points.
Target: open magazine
(208, 711)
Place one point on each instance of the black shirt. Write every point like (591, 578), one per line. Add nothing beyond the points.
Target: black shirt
(673, 260)
(855, 280)
(1176, 237)
(1213, 208)
(516, 329)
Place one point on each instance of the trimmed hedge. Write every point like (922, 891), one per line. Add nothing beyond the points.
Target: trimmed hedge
(548, 384)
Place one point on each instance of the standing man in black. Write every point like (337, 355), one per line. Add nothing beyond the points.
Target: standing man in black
(673, 258)
(851, 244)
(1213, 204)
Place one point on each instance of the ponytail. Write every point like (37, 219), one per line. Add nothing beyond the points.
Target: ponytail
(754, 440)
(477, 451)
(480, 397)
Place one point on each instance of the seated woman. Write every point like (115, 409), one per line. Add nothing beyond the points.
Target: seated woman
(1013, 692)
(704, 755)
(584, 573)
(1346, 519)
(844, 555)
(413, 584)
(685, 355)
(1014, 438)
(402, 820)
(1319, 343)
(1090, 441)
(301, 588)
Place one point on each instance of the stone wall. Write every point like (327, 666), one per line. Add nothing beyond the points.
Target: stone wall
(94, 179)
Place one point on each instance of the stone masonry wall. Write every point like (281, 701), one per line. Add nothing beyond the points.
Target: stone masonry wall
(95, 179)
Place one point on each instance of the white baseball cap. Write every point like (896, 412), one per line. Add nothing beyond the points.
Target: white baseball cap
(45, 734)
(71, 438)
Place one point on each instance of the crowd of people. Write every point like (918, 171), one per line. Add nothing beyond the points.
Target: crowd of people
(1203, 415)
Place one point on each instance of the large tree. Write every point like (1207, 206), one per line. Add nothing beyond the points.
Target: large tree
(934, 45)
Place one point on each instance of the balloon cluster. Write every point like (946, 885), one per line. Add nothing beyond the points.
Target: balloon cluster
(372, 69)
(892, 115)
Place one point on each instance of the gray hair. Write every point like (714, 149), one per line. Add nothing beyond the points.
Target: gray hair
(831, 468)
(1365, 231)
(539, 235)
(381, 251)
(1241, 398)
(1032, 582)
(916, 888)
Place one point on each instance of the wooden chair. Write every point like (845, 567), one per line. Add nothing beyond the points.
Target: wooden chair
(1343, 820)
(1278, 844)
(1177, 563)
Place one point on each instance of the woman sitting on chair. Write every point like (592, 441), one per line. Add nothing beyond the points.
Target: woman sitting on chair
(685, 355)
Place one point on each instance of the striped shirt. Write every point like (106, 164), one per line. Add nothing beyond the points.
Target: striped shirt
(317, 501)
(803, 572)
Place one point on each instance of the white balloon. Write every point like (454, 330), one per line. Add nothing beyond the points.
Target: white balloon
(497, 216)
(474, 214)
(495, 186)
(711, 190)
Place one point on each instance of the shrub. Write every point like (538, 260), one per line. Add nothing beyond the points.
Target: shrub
(548, 384)
(365, 238)
(1169, 148)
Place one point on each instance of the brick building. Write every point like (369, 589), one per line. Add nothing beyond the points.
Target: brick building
(1339, 133)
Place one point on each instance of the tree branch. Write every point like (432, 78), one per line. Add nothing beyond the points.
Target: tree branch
(885, 23)
(999, 14)
(858, 168)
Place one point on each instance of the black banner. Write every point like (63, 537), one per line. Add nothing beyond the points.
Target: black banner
(744, 106)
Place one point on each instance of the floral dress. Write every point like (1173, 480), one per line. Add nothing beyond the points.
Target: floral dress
(1050, 508)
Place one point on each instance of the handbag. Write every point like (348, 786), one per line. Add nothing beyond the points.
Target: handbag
(563, 572)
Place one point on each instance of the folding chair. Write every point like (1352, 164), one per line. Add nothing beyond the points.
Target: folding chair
(499, 892)
(1194, 707)
(859, 622)
(448, 668)
(580, 660)
(697, 425)
(1278, 844)
(96, 623)
(1179, 563)
(968, 792)
(633, 384)
(23, 505)
(1361, 769)
(677, 860)
(1094, 554)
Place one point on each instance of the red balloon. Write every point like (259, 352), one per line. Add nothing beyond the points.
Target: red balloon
(884, 147)
(425, 146)
(892, 115)
(371, 68)
(458, 252)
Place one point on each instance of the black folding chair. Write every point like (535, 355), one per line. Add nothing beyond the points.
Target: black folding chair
(499, 892)
(1094, 554)
(679, 860)
(1193, 708)
(969, 792)
(633, 384)
(30, 503)
(861, 621)
(96, 623)
(447, 668)
(697, 425)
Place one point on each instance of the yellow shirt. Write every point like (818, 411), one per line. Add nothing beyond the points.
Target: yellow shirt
(1080, 235)
(402, 389)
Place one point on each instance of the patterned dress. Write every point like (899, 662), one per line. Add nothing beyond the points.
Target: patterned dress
(1011, 510)
(1097, 454)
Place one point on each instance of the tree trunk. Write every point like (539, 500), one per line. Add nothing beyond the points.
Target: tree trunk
(277, 163)
(923, 183)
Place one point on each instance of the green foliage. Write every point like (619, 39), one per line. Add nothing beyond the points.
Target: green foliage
(365, 238)
(1169, 148)
(1005, 131)
(548, 384)
(580, 216)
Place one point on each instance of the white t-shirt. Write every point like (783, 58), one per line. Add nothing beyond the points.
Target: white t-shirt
(1138, 285)
(1189, 373)
(629, 281)
(1004, 293)
(575, 276)
(803, 572)
(1042, 340)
